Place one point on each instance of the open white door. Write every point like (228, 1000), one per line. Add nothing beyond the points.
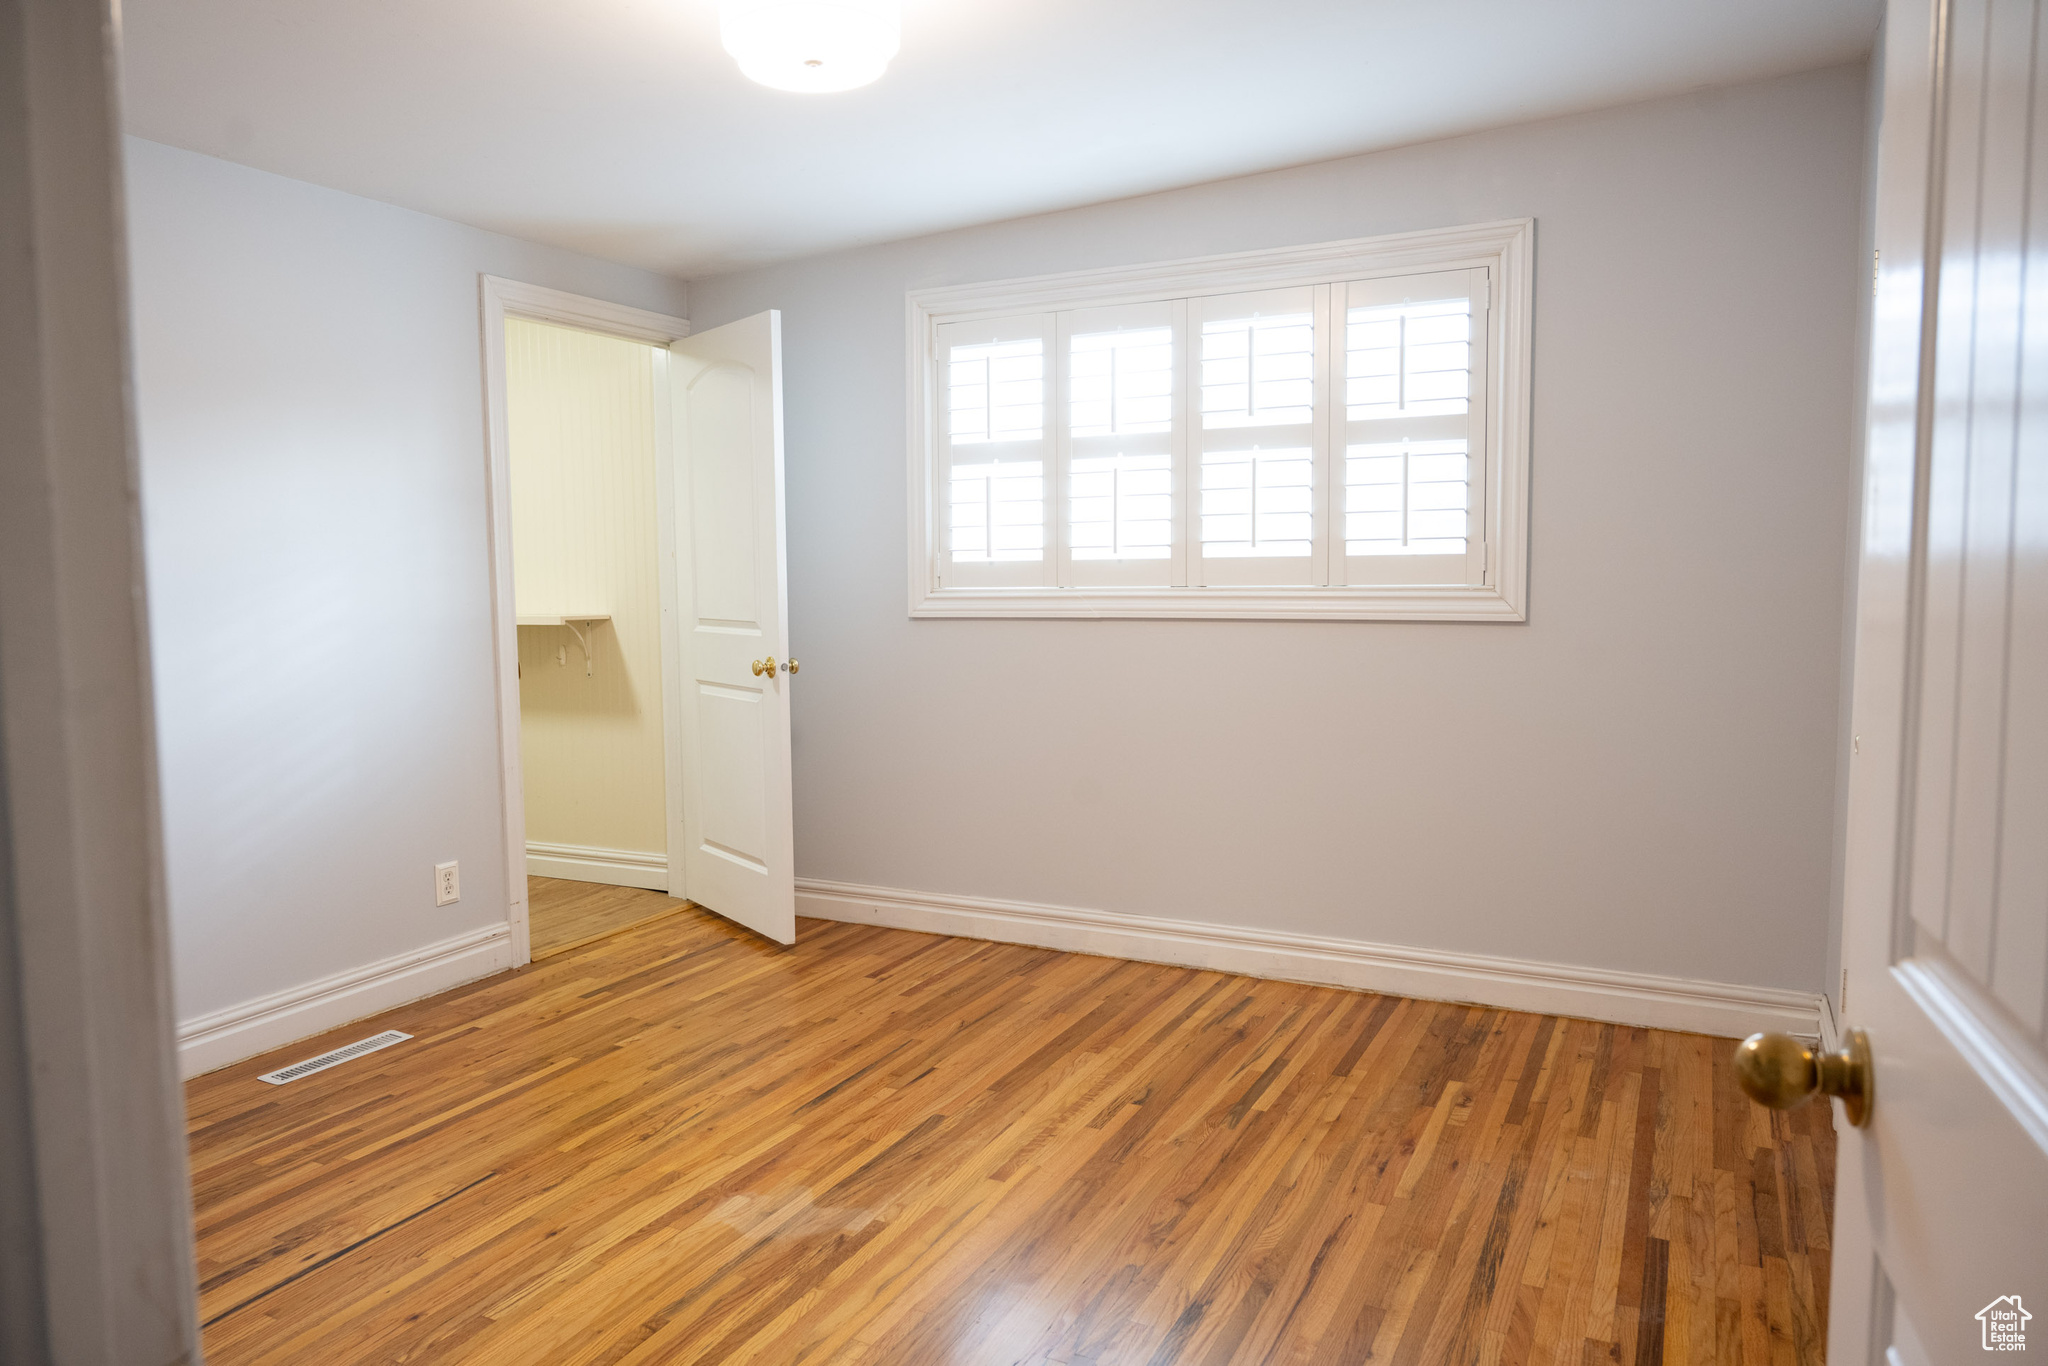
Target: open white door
(1941, 1240)
(736, 671)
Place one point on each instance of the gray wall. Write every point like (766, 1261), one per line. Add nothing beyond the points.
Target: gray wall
(310, 398)
(1641, 777)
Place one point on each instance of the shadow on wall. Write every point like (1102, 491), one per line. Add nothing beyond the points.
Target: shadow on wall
(553, 677)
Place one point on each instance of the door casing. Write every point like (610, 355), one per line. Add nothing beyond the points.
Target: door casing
(504, 299)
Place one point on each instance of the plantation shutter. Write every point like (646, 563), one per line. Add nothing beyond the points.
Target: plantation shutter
(1411, 430)
(993, 404)
(1257, 458)
(1119, 409)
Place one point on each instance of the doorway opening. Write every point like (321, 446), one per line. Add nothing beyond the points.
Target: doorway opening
(640, 603)
(588, 580)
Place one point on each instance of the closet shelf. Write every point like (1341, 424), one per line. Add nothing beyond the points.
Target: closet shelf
(579, 624)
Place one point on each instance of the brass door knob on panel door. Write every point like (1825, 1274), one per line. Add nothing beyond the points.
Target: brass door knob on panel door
(789, 666)
(1778, 1071)
(765, 666)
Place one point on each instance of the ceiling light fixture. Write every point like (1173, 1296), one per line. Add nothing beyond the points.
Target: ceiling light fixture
(813, 46)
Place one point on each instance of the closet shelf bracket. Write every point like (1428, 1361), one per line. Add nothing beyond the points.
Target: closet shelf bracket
(580, 625)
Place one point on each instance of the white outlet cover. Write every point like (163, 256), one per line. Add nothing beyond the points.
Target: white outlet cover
(447, 883)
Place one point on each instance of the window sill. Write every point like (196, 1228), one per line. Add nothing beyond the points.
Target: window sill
(1402, 603)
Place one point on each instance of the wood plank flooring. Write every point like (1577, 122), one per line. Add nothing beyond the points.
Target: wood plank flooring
(685, 1144)
(562, 914)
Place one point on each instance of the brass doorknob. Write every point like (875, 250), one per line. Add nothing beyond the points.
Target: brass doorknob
(789, 666)
(765, 666)
(1779, 1071)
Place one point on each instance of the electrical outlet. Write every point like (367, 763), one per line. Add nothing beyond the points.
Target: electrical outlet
(447, 883)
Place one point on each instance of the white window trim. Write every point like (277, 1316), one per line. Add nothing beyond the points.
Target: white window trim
(1505, 249)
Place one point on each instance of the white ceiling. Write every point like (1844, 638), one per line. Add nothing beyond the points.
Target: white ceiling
(620, 128)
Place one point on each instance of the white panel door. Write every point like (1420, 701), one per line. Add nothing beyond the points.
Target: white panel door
(1941, 1239)
(735, 670)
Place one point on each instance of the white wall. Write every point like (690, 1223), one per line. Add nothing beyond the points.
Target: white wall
(309, 385)
(1641, 777)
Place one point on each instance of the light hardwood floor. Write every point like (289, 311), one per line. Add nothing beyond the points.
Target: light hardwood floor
(562, 914)
(685, 1144)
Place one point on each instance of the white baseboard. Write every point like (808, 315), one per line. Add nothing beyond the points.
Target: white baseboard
(585, 863)
(1506, 983)
(257, 1026)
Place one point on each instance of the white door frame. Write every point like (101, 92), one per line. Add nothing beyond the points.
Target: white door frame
(504, 299)
(95, 1202)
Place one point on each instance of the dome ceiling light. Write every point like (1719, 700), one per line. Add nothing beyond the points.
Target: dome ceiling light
(811, 46)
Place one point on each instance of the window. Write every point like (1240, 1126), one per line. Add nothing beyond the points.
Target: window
(1335, 431)
(995, 431)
